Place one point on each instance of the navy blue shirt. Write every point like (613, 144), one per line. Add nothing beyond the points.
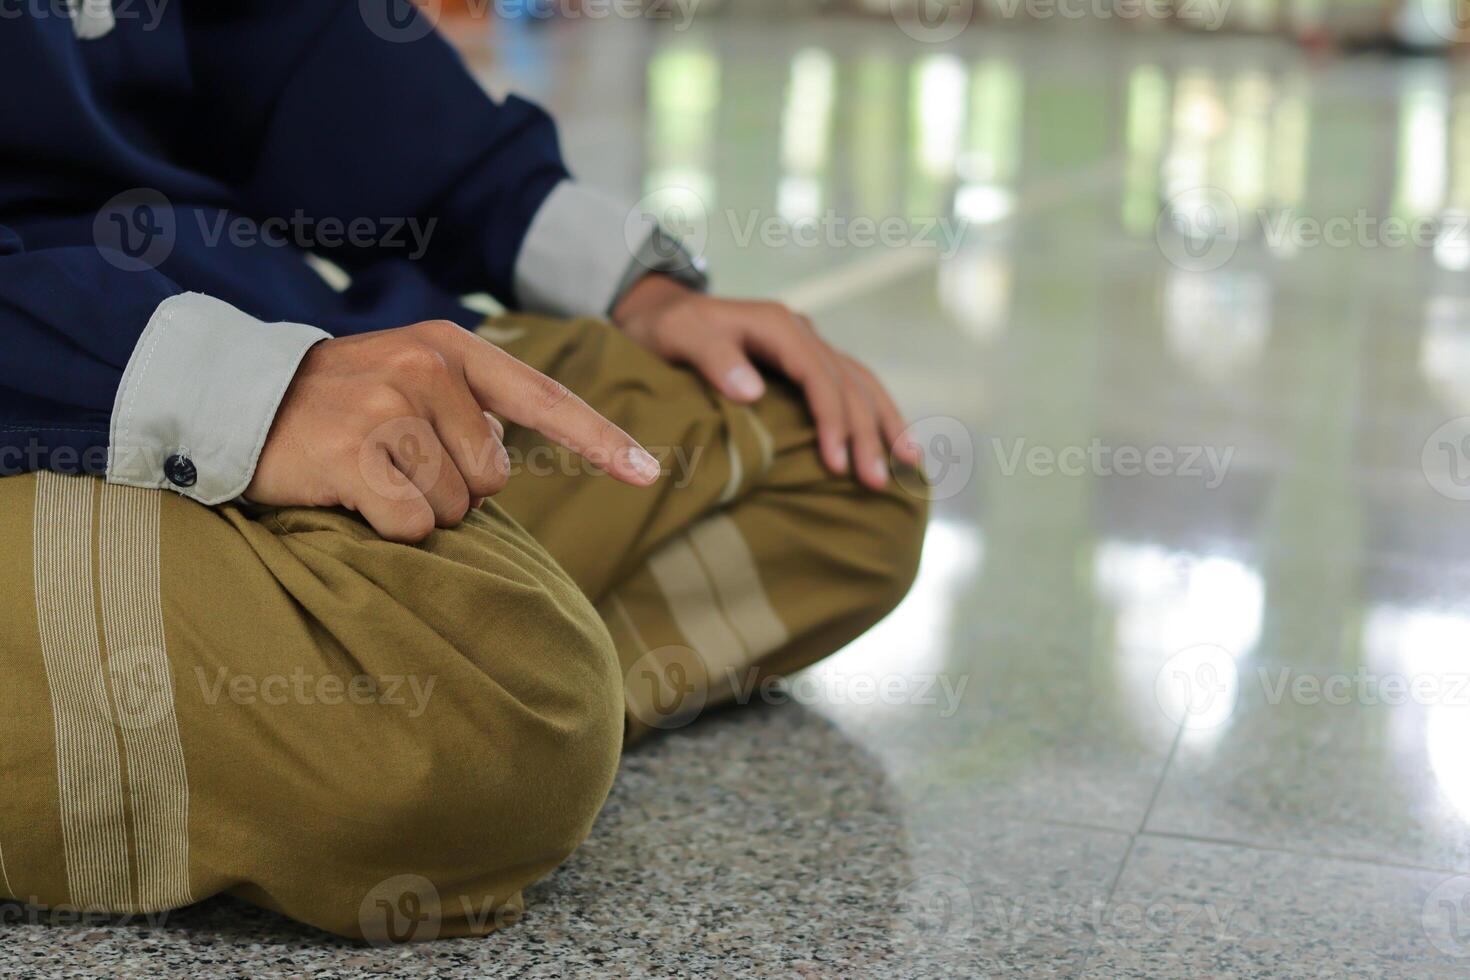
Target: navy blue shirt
(223, 116)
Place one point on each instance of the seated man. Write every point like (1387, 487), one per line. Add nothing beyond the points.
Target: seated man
(373, 660)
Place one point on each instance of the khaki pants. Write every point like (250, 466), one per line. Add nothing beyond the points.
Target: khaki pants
(392, 742)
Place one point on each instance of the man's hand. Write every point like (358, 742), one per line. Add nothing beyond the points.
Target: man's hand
(395, 426)
(855, 416)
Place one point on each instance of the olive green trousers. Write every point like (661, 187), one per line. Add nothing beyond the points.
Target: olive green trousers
(392, 742)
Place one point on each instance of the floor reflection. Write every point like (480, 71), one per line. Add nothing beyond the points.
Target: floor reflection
(1136, 269)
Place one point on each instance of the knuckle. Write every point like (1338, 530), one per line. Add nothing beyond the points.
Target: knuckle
(458, 505)
(549, 393)
(491, 483)
(418, 362)
(352, 448)
(718, 353)
(416, 528)
(405, 528)
(440, 328)
(385, 402)
(488, 481)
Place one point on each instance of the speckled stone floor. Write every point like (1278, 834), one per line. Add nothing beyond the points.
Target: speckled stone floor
(1104, 754)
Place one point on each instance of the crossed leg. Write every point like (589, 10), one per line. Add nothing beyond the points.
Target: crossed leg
(392, 742)
(749, 559)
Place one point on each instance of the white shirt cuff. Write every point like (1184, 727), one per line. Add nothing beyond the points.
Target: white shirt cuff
(574, 255)
(584, 249)
(198, 397)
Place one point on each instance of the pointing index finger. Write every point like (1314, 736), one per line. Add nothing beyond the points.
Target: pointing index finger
(510, 388)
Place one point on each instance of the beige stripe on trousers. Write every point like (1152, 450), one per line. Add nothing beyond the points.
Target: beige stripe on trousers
(119, 755)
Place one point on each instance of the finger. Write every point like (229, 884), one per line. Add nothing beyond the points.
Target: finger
(867, 445)
(801, 360)
(890, 419)
(402, 514)
(427, 464)
(499, 429)
(527, 397)
(472, 438)
(729, 370)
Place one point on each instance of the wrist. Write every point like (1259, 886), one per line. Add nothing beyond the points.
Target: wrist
(646, 297)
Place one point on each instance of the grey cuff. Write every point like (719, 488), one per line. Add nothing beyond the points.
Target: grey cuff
(575, 260)
(198, 397)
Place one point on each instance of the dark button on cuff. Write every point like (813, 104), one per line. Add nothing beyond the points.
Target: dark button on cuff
(180, 471)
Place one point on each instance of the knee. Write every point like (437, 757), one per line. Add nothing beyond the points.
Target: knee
(528, 750)
(498, 782)
(893, 527)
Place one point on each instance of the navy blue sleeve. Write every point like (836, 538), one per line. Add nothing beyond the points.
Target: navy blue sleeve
(70, 319)
(348, 110)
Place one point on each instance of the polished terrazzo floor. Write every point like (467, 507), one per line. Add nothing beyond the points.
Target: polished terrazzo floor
(1182, 688)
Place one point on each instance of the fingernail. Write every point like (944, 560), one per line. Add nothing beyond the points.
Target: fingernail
(878, 470)
(645, 465)
(745, 382)
(840, 459)
(502, 459)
